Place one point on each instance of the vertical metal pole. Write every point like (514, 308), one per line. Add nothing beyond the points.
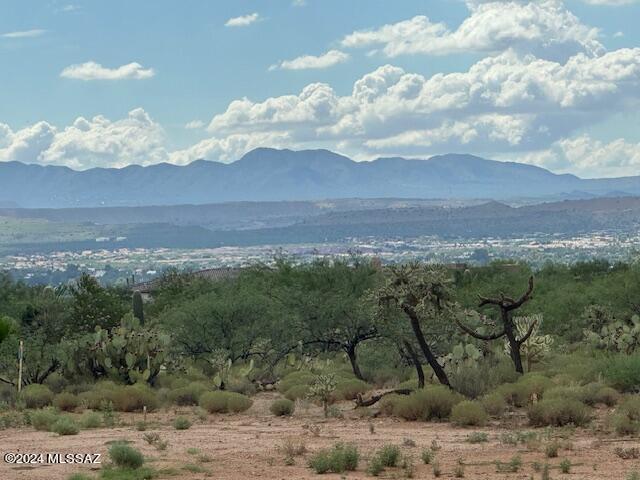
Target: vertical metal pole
(20, 355)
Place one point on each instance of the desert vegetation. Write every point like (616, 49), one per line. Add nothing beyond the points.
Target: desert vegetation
(522, 364)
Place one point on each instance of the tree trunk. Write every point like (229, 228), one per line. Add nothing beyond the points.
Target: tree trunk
(514, 345)
(351, 353)
(416, 363)
(424, 346)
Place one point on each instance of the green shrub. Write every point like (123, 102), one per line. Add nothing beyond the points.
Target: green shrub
(478, 437)
(494, 404)
(427, 404)
(427, 456)
(67, 402)
(559, 412)
(132, 398)
(124, 456)
(282, 407)
(389, 455)
(224, 402)
(469, 413)
(295, 379)
(596, 393)
(296, 392)
(187, 395)
(565, 466)
(375, 466)
(181, 423)
(626, 420)
(622, 372)
(340, 458)
(36, 396)
(79, 476)
(349, 389)
(65, 425)
(91, 420)
(42, 419)
(241, 385)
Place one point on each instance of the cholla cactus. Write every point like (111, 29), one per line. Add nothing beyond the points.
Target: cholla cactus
(534, 348)
(322, 389)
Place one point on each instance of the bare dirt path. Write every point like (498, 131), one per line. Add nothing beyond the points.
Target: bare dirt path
(234, 447)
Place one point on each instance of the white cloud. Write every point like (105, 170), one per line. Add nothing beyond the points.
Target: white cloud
(95, 71)
(545, 28)
(24, 34)
(504, 103)
(306, 62)
(618, 35)
(243, 21)
(98, 142)
(588, 157)
(299, 3)
(194, 125)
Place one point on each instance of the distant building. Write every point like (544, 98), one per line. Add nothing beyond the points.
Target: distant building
(213, 274)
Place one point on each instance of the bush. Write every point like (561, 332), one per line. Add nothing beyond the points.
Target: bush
(187, 395)
(494, 404)
(469, 413)
(389, 455)
(224, 402)
(559, 412)
(626, 420)
(181, 423)
(295, 379)
(36, 396)
(427, 404)
(595, 393)
(349, 389)
(340, 458)
(124, 456)
(91, 420)
(132, 398)
(622, 372)
(241, 385)
(65, 426)
(282, 407)
(42, 419)
(522, 392)
(296, 392)
(67, 402)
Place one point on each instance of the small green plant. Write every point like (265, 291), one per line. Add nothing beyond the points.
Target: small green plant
(124, 456)
(635, 475)
(181, 423)
(36, 396)
(282, 407)
(458, 472)
(193, 451)
(545, 472)
(469, 413)
(154, 439)
(65, 401)
(91, 420)
(292, 447)
(478, 437)
(43, 419)
(427, 456)
(513, 466)
(141, 426)
(408, 467)
(340, 458)
(65, 426)
(435, 467)
(565, 466)
(375, 466)
(389, 455)
(551, 450)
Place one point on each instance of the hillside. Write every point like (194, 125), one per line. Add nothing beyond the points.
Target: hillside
(277, 175)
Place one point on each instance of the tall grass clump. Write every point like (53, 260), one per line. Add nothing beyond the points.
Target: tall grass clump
(225, 402)
(340, 458)
(433, 403)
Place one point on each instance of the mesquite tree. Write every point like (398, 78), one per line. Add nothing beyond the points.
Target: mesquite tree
(422, 294)
(508, 328)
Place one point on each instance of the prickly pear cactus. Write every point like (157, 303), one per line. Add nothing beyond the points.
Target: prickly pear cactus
(536, 346)
(130, 352)
(612, 334)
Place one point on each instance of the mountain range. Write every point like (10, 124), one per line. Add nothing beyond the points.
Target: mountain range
(276, 175)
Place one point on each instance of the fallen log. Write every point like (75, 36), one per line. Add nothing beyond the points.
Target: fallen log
(376, 398)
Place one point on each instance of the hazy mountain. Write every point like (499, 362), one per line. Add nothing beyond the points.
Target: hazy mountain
(274, 175)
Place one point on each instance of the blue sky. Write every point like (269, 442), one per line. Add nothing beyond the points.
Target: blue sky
(112, 83)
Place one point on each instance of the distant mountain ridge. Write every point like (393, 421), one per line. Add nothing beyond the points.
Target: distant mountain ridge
(275, 175)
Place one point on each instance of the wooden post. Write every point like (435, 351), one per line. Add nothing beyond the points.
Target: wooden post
(144, 411)
(20, 355)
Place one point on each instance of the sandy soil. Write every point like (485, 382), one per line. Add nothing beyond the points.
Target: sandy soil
(249, 446)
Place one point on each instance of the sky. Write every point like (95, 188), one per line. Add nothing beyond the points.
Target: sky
(108, 84)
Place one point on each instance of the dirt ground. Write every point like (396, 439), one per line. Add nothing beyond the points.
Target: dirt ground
(248, 445)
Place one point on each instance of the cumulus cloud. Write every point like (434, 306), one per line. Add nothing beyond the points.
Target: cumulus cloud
(545, 28)
(94, 71)
(98, 142)
(502, 103)
(611, 3)
(24, 33)
(243, 20)
(307, 62)
(588, 157)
